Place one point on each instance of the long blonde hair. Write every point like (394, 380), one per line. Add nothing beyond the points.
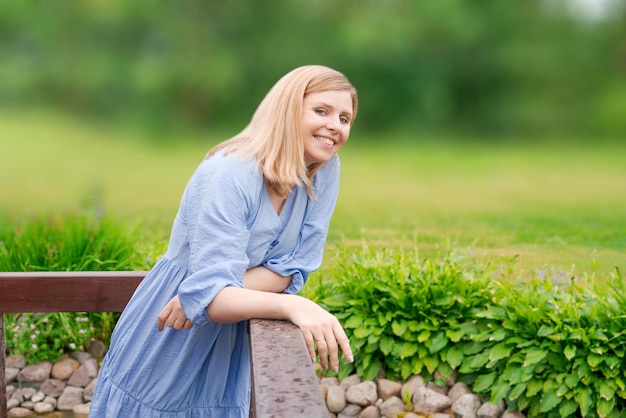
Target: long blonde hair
(274, 136)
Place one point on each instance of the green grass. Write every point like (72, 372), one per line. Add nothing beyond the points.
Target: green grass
(559, 205)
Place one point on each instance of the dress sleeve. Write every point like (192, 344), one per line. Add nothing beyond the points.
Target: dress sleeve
(218, 201)
(309, 250)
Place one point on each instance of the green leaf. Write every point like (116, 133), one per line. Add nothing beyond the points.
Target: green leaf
(483, 382)
(407, 349)
(606, 392)
(594, 360)
(423, 336)
(517, 391)
(584, 397)
(571, 380)
(567, 408)
(361, 332)
(455, 335)
(431, 363)
(499, 351)
(454, 356)
(605, 407)
(335, 301)
(354, 321)
(472, 348)
(549, 400)
(438, 342)
(386, 344)
(570, 352)
(478, 361)
(533, 387)
(499, 391)
(534, 356)
(545, 331)
(399, 327)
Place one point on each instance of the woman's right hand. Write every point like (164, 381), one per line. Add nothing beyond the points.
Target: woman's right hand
(320, 328)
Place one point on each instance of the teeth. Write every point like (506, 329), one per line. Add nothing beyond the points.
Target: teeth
(326, 140)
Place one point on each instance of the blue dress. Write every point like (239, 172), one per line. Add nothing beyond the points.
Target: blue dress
(225, 225)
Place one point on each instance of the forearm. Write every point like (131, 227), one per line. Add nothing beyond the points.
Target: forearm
(264, 279)
(234, 304)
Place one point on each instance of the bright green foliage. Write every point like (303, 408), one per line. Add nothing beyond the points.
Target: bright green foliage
(549, 348)
(75, 242)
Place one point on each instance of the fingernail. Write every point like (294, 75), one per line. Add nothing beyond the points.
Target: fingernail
(312, 359)
(351, 359)
(325, 366)
(335, 369)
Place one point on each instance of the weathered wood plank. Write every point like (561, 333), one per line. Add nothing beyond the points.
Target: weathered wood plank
(67, 291)
(284, 381)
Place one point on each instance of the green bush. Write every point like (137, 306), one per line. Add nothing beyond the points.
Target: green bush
(548, 346)
(70, 242)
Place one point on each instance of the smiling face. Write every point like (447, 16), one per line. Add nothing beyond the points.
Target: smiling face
(326, 121)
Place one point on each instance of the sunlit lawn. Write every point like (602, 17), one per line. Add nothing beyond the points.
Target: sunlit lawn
(560, 207)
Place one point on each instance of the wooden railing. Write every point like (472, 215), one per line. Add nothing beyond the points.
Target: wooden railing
(284, 383)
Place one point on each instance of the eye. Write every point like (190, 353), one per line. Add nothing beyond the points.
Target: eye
(344, 119)
(320, 111)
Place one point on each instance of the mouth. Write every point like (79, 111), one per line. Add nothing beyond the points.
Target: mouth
(325, 140)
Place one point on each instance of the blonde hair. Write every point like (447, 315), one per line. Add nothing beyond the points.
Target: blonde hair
(274, 136)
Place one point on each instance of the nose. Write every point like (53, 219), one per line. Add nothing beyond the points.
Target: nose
(333, 124)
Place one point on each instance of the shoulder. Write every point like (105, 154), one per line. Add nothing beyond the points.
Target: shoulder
(228, 171)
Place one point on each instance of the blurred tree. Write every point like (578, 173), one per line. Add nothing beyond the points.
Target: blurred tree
(453, 66)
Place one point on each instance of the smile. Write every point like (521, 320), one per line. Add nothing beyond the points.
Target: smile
(325, 140)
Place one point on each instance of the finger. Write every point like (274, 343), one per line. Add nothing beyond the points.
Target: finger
(344, 343)
(163, 316)
(188, 324)
(322, 350)
(310, 345)
(333, 353)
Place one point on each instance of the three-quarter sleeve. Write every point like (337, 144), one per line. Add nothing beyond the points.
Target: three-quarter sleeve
(218, 202)
(307, 255)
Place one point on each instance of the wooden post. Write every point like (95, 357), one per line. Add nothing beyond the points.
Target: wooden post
(3, 382)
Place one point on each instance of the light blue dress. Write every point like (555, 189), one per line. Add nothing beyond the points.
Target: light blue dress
(225, 225)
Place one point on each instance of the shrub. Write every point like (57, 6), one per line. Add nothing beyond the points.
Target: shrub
(70, 242)
(549, 347)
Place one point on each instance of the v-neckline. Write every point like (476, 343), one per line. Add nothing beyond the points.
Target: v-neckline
(278, 211)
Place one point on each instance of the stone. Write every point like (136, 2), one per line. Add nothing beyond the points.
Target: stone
(10, 374)
(64, 368)
(88, 392)
(515, 414)
(15, 361)
(439, 389)
(336, 399)
(350, 381)
(362, 394)
(28, 405)
(388, 388)
(43, 407)
(83, 375)
(324, 390)
(35, 372)
(52, 401)
(411, 386)
(97, 349)
(13, 403)
(10, 390)
(414, 415)
(81, 356)
(350, 411)
(38, 397)
(28, 393)
(17, 395)
(329, 381)
(489, 410)
(450, 380)
(52, 387)
(370, 412)
(70, 397)
(82, 409)
(457, 390)
(392, 407)
(20, 412)
(429, 402)
(466, 406)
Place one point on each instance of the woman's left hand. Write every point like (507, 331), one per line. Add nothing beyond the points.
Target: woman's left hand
(173, 316)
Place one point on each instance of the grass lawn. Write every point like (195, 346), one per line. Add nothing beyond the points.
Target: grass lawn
(558, 207)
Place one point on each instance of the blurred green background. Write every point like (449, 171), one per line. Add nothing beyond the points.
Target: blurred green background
(494, 125)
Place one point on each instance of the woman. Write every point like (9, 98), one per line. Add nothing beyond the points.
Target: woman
(251, 226)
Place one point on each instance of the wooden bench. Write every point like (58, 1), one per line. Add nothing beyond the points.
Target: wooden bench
(284, 383)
